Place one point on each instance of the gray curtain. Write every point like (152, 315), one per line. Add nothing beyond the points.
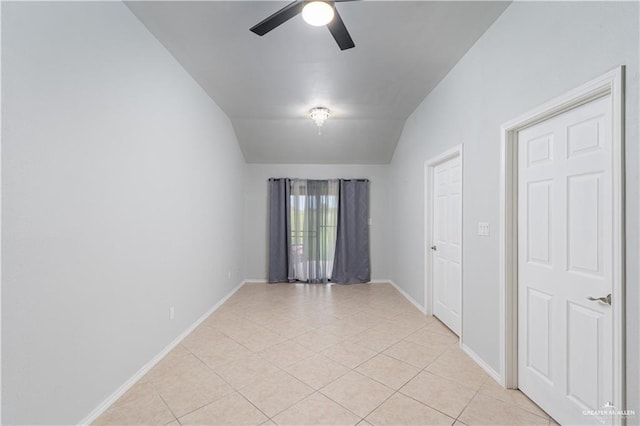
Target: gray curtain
(279, 229)
(351, 263)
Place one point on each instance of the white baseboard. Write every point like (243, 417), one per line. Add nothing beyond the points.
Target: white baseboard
(380, 281)
(474, 356)
(490, 371)
(255, 281)
(420, 306)
(149, 365)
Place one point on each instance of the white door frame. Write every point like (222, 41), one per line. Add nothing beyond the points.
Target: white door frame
(429, 166)
(610, 83)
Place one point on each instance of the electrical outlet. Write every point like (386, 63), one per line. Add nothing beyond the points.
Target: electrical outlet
(172, 313)
(483, 229)
(229, 275)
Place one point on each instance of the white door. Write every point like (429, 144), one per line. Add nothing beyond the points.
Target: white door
(565, 256)
(446, 248)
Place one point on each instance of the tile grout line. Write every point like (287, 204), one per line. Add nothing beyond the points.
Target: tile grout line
(236, 390)
(336, 402)
(424, 370)
(354, 371)
(426, 405)
(224, 396)
(512, 404)
(255, 406)
(167, 405)
(371, 378)
(396, 391)
(317, 391)
(466, 405)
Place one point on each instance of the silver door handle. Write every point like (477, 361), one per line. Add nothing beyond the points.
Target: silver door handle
(434, 248)
(606, 299)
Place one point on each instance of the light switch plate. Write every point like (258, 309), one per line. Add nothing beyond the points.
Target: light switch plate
(483, 229)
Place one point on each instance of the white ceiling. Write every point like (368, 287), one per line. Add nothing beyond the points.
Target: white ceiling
(267, 85)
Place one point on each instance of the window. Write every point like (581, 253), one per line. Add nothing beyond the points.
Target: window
(314, 219)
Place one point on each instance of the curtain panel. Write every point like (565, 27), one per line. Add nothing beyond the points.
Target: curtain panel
(314, 216)
(279, 229)
(352, 259)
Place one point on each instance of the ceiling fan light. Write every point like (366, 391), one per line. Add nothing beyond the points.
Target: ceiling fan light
(317, 13)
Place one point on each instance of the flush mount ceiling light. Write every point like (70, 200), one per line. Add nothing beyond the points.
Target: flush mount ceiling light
(319, 115)
(317, 13)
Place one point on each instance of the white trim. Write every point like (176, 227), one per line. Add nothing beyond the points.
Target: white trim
(508, 244)
(149, 365)
(429, 165)
(475, 357)
(406, 296)
(255, 281)
(486, 367)
(611, 84)
(381, 281)
(1, 420)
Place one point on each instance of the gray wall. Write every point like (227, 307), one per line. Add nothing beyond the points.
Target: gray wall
(532, 53)
(122, 186)
(256, 214)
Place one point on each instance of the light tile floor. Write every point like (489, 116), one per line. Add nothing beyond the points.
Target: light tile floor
(296, 354)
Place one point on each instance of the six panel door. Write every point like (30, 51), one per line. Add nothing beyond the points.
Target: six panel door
(447, 239)
(565, 228)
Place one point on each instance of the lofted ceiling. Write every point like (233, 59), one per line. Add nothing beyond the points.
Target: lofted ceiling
(267, 85)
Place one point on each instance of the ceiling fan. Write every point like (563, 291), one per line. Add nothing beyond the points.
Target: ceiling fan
(314, 12)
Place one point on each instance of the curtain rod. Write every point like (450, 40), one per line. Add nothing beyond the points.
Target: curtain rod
(357, 180)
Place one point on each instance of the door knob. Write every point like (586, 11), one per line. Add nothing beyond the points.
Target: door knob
(605, 299)
(434, 248)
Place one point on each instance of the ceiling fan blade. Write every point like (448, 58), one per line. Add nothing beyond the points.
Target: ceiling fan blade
(278, 18)
(339, 32)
